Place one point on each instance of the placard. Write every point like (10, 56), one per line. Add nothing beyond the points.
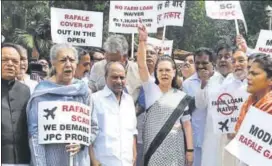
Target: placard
(171, 13)
(253, 142)
(64, 122)
(125, 16)
(225, 108)
(76, 27)
(165, 45)
(264, 43)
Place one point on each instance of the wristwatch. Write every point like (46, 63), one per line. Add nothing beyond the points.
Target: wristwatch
(189, 150)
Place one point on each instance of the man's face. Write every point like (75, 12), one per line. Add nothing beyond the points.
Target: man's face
(44, 64)
(203, 64)
(151, 58)
(23, 64)
(116, 78)
(83, 66)
(188, 67)
(240, 65)
(10, 63)
(224, 62)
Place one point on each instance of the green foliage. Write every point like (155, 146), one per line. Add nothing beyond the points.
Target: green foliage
(28, 23)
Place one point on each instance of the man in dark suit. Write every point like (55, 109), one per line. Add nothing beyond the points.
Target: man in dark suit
(15, 95)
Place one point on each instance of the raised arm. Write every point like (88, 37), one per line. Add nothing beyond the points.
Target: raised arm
(141, 55)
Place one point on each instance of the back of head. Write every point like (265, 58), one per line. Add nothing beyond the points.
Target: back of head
(115, 44)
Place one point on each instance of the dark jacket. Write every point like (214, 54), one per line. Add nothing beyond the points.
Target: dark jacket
(15, 148)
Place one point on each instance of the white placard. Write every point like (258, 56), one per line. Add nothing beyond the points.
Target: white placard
(264, 43)
(253, 142)
(125, 16)
(64, 122)
(76, 27)
(165, 45)
(225, 107)
(171, 13)
(226, 10)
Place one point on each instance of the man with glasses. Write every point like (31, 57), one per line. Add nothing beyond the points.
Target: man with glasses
(83, 67)
(211, 83)
(203, 62)
(15, 95)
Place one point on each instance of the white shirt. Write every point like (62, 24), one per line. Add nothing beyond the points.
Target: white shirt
(117, 126)
(211, 142)
(30, 83)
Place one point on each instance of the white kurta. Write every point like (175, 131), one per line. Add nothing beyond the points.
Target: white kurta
(227, 158)
(211, 148)
(117, 126)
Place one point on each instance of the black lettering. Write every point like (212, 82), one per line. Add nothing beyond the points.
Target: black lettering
(269, 42)
(253, 130)
(49, 127)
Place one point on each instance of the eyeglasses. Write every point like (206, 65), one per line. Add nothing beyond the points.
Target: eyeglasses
(13, 61)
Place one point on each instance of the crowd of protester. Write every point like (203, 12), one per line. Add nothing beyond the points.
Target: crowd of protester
(143, 113)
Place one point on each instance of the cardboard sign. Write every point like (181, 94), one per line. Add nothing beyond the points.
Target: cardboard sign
(165, 45)
(253, 142)
(125, 16)
(76, 27)
(171, 13)
(64, 122)
(264, 43)
(226, 10)
(225, 107)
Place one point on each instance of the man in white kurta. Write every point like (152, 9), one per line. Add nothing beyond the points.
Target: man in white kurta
(211, 151)
(115, 144)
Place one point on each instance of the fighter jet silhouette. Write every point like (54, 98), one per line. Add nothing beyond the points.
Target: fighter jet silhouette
(50, 113)
(224, 125)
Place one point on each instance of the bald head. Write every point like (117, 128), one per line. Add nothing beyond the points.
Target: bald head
(115, 77)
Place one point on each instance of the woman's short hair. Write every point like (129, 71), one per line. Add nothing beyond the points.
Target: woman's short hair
(169, 59)
(265, 62)
(55, 49)
(116, 43)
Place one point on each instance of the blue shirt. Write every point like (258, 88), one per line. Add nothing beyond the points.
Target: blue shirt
(190, 85)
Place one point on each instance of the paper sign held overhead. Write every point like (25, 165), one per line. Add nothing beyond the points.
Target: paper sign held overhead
(125, 16)
(76, 27)
(171, 13)
(64, 122)
(166, 45)
(252, 144)
(264, 43)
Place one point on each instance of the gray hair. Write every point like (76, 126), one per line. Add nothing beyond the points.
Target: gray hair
(116, 43)
(55, 49)
(22, 50)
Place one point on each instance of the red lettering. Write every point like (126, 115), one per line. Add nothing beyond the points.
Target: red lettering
(80, 119)
(71, 24)
(76, 17)
(241, 138)
(267, 154)
(65, 108)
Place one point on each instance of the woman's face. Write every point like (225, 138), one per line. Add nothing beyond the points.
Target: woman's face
(65, 65)
(258, 81)
(165, 73)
